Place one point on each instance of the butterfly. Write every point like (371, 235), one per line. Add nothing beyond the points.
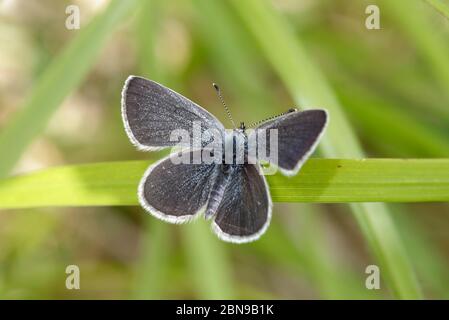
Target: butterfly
(234, 195)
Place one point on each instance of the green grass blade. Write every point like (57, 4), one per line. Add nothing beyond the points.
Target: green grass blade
(404, 133)
(209, 262)
(410, 86)
(440, 6)
(233, 58)
(311, 255)
(320, 180)
(151, 270)
(415, 19)
(60, 78)
(430, 259)
(310, 89)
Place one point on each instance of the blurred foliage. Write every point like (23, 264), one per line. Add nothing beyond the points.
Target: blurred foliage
(392, 84)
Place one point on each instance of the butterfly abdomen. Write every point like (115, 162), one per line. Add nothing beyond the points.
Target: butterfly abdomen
(217, 191)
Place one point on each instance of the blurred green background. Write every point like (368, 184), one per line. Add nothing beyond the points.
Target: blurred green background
(389, 88)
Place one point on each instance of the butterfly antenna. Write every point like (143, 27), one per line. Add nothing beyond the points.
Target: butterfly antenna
(272, 117)
(217, 88)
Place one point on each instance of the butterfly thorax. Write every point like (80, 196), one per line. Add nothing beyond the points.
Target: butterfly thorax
(235, 147)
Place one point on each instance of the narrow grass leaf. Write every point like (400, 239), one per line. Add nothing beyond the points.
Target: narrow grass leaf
(320, 180)
(209, 262)
(441, 6)
(415, 20)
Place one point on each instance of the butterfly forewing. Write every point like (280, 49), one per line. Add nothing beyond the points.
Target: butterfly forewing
(298, 134)
(152, 112)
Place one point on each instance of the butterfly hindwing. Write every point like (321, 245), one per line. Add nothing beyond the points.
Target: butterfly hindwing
(176, 193)
(245, 210)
